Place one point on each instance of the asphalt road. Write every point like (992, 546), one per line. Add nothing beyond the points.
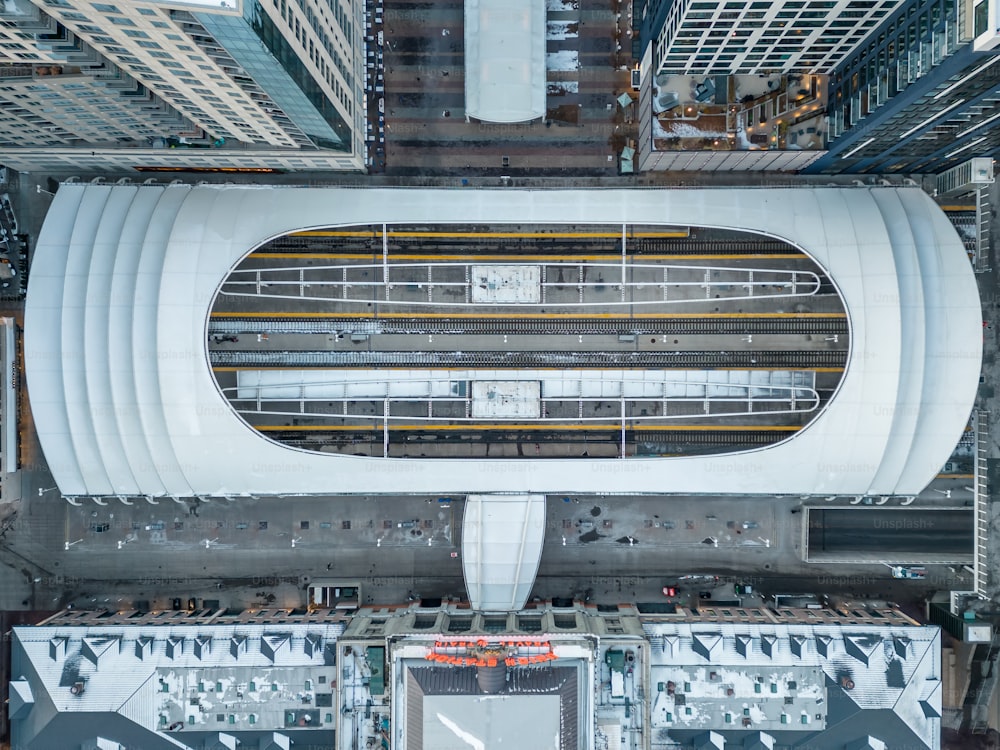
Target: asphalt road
(868, 530)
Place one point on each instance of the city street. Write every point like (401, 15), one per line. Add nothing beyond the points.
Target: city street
(621, 549)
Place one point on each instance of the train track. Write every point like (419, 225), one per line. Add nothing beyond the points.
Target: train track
(524, 360)
(539, 326)
(517, 246)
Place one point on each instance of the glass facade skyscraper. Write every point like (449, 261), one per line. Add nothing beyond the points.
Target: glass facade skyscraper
(921, 95)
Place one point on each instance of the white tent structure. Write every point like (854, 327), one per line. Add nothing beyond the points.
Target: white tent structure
(505, 60)
(125, 402)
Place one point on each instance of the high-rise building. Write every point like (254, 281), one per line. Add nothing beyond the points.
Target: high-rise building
(57, 90)
(921, 95)
(767, 36)
(256, 76)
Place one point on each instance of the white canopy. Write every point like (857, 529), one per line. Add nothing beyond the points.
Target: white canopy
(502, 538)
(505, 60)
(125, 402)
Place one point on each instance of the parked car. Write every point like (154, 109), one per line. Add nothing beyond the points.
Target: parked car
(670, 591)
(412, 523)
(704, 594)
(899, 571)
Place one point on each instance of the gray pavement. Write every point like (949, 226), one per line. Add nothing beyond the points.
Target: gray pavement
(57, 553)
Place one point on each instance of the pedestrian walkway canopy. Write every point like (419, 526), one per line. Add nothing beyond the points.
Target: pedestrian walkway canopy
(502, 539)
(125, 402)
(505, 60)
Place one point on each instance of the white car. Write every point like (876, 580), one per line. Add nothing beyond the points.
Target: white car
(900, 572)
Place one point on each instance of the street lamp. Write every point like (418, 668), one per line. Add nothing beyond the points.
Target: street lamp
(70, 544)
(43, 490)
(295, 539)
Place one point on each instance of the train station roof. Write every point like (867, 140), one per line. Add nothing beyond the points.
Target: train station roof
(125, 402)
(505, 60)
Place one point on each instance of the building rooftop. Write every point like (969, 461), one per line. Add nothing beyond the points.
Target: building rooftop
(247, 681)
(797, 682)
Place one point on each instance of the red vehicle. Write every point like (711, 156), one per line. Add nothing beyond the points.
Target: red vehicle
(670, 591)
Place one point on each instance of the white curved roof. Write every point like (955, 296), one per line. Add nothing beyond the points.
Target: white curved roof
(502, 537)
(505, 60)
(124, 401)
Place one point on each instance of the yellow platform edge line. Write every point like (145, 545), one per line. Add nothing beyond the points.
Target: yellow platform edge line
(500, 235)
(375, 254)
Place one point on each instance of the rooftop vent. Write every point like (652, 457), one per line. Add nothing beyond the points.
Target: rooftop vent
(273, 645)
(705, 644)
(77, 688)
(861, 647)
(797, 644)
(57, 649)
(768, 644)
(743, 644)
(275, 741)
(175, 647)
(202, 646)
(313, 644)
(143, 647)
(96, 649)
(237, 646)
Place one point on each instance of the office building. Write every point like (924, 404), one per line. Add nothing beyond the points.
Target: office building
(765, 37)
(248, 80)
(920, 95)
(56, 90)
